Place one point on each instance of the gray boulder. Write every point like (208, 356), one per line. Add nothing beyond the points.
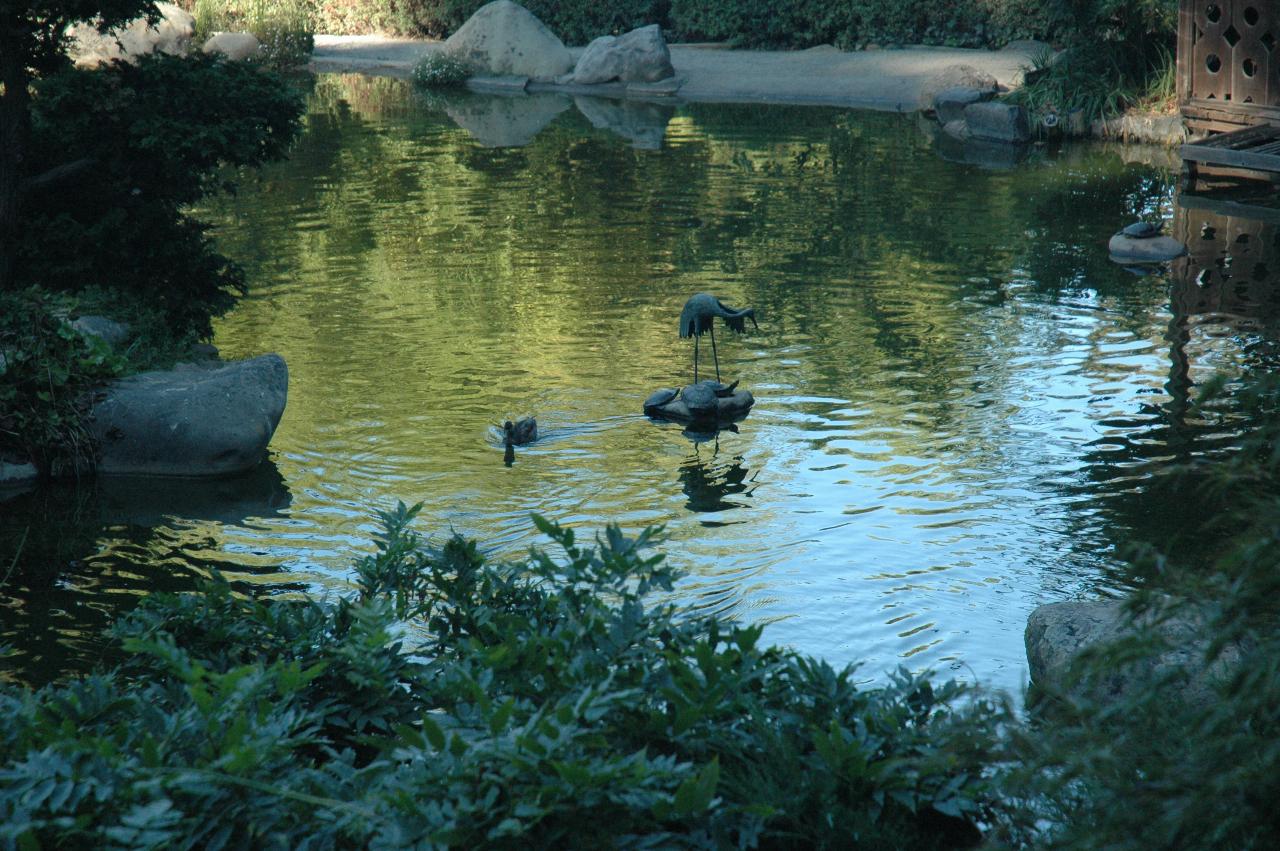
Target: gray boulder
(949, 104)
(998, 122)
(506, 39)
(1057, 633)
(956, 76)
(640, 56)
(210, 420)
(238, 47)
(171, 34)
(1127, 249)
(108, 330)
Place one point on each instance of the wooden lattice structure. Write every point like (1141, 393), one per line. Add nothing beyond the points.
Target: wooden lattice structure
(1229, 63)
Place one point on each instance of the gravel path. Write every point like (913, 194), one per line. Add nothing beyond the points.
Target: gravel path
(873, 79)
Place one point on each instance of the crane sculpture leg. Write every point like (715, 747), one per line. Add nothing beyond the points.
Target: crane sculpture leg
(715, 357)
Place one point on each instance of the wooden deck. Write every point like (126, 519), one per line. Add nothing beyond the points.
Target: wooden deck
(1255, 148)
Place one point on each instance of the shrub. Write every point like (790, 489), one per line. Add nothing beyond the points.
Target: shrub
(47, 371)
(440, 69)
(144, 142)
(454, 702)
(284, 27)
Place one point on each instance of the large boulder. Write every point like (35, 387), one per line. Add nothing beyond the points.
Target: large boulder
(640, 56)
(194, 420)
(506, 39)
(1057, 633)
(171, 34)
(238, 47)
(953, 77)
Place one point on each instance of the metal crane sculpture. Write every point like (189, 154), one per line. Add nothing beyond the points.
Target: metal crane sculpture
(698, 316)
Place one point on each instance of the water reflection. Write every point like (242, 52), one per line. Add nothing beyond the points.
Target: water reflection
(709, 483)
(504, 121)
(642, 123)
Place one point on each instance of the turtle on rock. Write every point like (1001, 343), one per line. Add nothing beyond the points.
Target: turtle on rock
(701, 398)
(1141, 230)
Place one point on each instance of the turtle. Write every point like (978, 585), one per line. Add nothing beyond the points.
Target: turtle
(700, 398)
(658, 398)
(722, 390)
(1141, 230)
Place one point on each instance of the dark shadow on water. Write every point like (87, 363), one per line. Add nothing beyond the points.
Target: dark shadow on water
(713, 485)
(73, 557)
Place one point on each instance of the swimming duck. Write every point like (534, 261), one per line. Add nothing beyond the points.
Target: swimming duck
(524, 430)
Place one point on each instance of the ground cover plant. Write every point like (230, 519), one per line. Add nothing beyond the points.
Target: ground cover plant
(284, 28)
(452, 701)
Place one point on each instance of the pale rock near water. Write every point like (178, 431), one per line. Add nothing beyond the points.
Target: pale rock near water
(171, 34)
(15, 472)
(1058, 632)
(956, 76)
(193, 420)
(505, 39)
(237, 47)
(1156, 249)
(640, 56)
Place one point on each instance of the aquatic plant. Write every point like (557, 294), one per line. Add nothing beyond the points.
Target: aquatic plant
(450, 701)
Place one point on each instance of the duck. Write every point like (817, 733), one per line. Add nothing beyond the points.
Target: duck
(524, 430)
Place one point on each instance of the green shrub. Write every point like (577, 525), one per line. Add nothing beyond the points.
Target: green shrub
(454, 702)
(439, 69)
(149, 140)
(47, 370)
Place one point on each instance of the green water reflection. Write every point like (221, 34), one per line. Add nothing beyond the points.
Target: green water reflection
(962, 402)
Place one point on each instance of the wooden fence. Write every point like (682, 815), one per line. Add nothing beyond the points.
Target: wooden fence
(1229, 63)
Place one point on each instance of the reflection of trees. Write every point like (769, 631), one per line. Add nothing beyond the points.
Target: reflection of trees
(73, 557)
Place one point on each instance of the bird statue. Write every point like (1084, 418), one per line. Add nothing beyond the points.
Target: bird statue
(699, 315)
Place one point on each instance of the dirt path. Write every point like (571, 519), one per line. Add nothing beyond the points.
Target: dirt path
(873, 79)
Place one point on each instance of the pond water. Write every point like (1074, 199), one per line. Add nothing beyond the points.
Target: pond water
(962, 403)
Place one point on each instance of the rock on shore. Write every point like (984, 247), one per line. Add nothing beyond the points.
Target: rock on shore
(1058, 633)
(195, 420)
(506, 39)
(171, 34)
(640, 56)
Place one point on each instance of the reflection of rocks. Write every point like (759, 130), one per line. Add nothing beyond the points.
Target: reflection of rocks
(208, 420)
(643, 124)
(505, 122)
(142, 501)
(954, 145)
(171, 34)
(997, 122)
(699, 404)
(1056, 634)
(640, 56)
(504, 38)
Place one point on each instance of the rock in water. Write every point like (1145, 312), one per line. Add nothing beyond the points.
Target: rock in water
(504, 38)
(1141, 230)
(193, 421)
(997, 122)
(1148, 249)
(640, 56)
(171, 34)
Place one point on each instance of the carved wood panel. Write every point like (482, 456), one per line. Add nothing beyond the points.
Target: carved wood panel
(1229, 55)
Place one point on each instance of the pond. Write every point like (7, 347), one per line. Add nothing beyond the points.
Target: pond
(962, 403)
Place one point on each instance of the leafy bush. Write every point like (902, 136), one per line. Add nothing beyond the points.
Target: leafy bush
(141, 143)
(284, 27)
(47, 371)
(453, 702)
(440, 69)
